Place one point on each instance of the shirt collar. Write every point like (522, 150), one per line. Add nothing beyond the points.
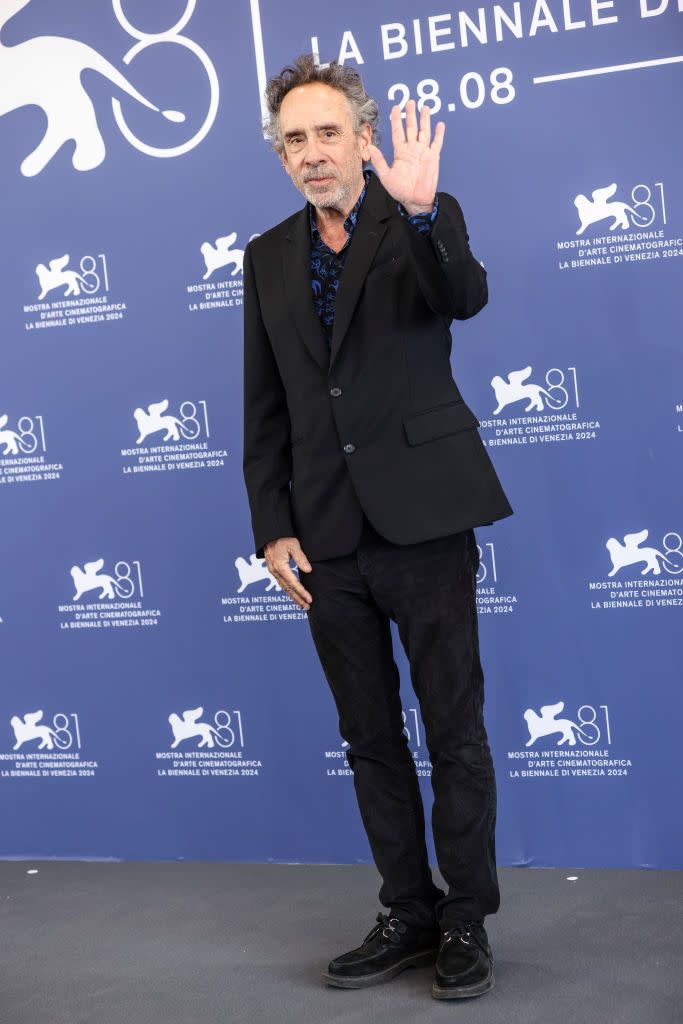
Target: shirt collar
(349, 223)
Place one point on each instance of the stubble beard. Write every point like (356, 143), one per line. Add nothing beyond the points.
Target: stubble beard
(332, 197)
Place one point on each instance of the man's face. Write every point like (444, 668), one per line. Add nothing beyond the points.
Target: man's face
(322, 155)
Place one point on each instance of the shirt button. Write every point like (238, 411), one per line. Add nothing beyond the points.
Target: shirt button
(336, 392)
(348, 448)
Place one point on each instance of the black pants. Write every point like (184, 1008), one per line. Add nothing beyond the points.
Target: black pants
(429, 590)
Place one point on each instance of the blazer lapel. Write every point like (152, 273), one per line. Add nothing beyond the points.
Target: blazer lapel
(297, 275)
(368, 233)
(370, 227)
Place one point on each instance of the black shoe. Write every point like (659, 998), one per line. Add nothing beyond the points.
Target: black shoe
(464, 966)
(390, 947)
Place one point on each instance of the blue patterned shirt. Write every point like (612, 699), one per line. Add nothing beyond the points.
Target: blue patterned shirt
(327, 265)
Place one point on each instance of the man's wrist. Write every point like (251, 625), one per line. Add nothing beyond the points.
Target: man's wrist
(411, 209)
(421, 219)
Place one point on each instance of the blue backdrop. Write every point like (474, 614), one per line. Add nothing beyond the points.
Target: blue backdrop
(161, 697)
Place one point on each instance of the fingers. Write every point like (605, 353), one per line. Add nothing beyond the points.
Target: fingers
(398, 136)
(278, 556)
(412, 134)
(425, 125)
(411, 121)
(439, 133)
(290, 584)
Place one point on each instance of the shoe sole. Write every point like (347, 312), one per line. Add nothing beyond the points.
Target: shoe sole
(464, 991)
(425, 959)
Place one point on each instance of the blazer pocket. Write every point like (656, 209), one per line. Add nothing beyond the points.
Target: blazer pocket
(438, 421)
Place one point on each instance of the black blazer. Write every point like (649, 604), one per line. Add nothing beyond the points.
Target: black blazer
(378, 423)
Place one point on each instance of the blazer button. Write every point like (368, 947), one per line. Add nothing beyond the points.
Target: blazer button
(336, 392)
(348, 448)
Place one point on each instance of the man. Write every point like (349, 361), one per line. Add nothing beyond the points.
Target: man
(364, 465)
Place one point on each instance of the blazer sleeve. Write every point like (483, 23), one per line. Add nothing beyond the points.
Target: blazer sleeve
(452, 281)
(267, 457)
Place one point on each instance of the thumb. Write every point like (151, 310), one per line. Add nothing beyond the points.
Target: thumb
(379, 163)
(300, 558)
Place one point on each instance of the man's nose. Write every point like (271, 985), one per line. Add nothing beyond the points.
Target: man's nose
(314, 153)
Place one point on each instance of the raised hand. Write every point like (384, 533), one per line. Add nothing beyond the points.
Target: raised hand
(413, 176)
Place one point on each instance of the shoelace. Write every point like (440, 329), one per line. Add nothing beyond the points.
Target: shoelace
(465, 934)
(390, 927)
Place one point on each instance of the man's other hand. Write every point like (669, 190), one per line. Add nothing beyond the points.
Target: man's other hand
(277, 554)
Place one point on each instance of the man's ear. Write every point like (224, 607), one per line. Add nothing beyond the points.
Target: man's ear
(283, 161)
(366, 138)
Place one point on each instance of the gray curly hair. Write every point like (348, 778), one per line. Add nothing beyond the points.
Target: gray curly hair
(305, 69)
